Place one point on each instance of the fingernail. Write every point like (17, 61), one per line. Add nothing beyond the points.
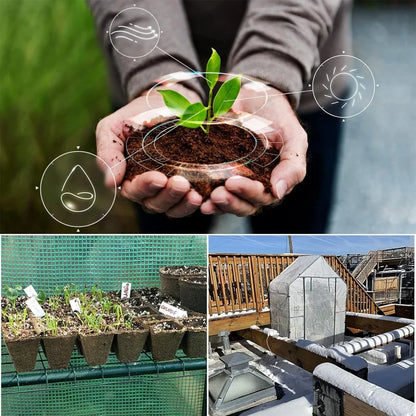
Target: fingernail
(175, 193)
(281, 188)
(233, 178)
(156, 185)
(220, 201)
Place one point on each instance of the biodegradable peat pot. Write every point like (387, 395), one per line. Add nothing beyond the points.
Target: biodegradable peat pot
(206, 160)
(96, 347)
(165, 339)
(58, 349)
(170, 275)
(194, 343)
(23, 352)
(130, 343)
(193, 293)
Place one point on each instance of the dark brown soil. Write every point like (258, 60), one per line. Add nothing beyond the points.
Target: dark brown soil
(225, 144)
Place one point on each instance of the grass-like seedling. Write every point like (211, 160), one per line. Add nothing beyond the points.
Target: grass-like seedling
(70, 291)
(51, 324)
(16, 321)
(197, 115)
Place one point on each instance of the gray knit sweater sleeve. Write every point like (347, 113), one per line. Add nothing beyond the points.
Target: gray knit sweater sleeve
(137, 75)
(279, 41)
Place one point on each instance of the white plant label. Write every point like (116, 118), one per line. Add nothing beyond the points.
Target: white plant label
(125, 290)
(34, 306)
(75, 305)
(30, 291)
(172, 311)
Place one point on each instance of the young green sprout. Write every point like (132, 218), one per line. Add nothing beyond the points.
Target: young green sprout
(12, 293)
(197, 115)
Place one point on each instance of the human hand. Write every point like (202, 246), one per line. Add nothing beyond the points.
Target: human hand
(152, 189)
(242, 196)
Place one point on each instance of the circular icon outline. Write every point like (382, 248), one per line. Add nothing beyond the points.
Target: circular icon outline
(103, 215)
(373, 85)
(138, 56)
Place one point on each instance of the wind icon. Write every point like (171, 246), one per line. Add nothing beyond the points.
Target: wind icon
(78, 193)
(134, 33)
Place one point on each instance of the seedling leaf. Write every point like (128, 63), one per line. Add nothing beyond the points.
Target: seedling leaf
(176, 102)
(226, 96)
(213, 69)
(194, 116)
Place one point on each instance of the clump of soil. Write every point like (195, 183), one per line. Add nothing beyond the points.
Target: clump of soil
(178, 151)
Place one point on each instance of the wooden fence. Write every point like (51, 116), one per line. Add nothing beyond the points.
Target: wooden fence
(239, 283)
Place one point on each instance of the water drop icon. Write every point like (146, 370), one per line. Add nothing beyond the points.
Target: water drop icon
(78, 193)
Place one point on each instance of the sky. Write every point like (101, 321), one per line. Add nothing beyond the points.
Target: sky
(307, 244)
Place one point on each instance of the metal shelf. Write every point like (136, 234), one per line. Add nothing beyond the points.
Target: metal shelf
(78, 369)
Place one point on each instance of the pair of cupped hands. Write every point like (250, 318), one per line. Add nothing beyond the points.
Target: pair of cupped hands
(174, 196)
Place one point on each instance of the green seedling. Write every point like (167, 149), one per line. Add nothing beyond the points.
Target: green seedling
(16, 322)
(54, 302)
(197, 115)
(12, 293)
(129, 321)
(92, 320)
(41, 296)
(118, 310)
(57, 292)
(106, 305)
(51, 324)
(70, 291)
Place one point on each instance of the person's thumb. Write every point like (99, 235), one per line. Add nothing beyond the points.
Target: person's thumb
(286, 175)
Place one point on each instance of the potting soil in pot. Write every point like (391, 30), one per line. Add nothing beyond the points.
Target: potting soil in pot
(170, 275)
(176, 146)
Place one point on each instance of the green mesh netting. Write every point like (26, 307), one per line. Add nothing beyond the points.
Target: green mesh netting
(106, 260)
(151, 395)
(47, 261)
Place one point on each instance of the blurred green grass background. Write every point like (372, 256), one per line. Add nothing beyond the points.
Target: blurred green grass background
(53, 90)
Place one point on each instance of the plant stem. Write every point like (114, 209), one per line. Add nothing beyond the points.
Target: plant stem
(209, 112)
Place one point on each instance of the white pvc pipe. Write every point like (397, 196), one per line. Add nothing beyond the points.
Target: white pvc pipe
(364, 344)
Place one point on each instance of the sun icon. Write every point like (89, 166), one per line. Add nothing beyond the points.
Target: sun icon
(343, 86)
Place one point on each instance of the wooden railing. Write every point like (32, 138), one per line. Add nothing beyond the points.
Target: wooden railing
(239, 283)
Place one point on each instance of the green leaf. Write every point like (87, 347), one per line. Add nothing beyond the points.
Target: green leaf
(175, 101)
(41, 296)
(213, 69)
(226, 96)
(193, 116)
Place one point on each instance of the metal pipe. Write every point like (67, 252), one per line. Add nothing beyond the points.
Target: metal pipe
(88, 373)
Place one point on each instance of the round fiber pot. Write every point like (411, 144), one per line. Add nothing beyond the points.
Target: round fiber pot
(193, 293)
(170, 275)
(130, 343)
(23, 352)
(194, 343)
(165, 339)
(58, 350)
(96, 347)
